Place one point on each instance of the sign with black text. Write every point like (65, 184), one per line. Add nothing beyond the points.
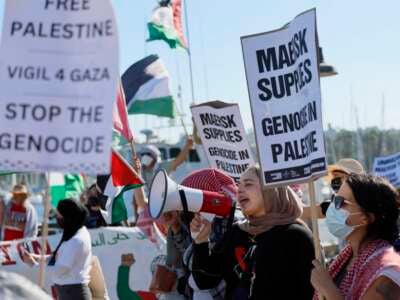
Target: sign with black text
(222, 133)
(282, 72)
(388, 167)
(59, 75)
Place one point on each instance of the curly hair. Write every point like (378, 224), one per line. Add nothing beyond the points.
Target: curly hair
(376, 196)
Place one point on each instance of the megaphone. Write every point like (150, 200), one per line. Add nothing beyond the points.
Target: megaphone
(165, 195)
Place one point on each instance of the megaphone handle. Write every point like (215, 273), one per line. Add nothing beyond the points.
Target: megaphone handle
(185, 209)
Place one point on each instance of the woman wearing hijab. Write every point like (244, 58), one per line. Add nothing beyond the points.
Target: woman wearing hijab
(70, 263)
(364, 213)
(267, 256)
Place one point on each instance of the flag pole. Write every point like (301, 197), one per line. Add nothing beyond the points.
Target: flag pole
(314, 221)
(181, 119)
(179, 96)
(133, 149)
(189, 51)
(44, 233)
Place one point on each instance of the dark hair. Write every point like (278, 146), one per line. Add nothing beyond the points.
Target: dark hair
(74, 216)
(94, 201)
(375, 195)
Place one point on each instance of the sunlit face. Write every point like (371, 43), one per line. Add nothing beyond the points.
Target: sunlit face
(337, 180)
(250, 196)
(357, 216)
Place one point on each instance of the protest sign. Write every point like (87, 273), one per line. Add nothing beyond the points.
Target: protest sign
(388, 167)
(59, 79)
(108, 244)
(222, 133)
(283, 83)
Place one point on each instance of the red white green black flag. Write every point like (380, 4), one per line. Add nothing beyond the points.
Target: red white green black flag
(166, 24)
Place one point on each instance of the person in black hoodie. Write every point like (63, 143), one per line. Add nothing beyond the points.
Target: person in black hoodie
(267, 256)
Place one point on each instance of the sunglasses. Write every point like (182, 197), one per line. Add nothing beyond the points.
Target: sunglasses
(336, 183)
(339, 201)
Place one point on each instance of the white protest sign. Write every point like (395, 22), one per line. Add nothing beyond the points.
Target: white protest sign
(108, 244)
(283, 83)
(388, 167)
(59, 73)
(222, 133)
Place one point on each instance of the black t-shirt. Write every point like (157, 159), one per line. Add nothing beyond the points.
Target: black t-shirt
(276, 264)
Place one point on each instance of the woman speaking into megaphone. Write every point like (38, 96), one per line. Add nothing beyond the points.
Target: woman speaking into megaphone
(206, 190)
(266, 256)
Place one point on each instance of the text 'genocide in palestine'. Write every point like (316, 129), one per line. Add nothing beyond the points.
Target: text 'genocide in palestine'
(278, 58)
(292, 122)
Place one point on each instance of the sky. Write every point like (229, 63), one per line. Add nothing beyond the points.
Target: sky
(360, 38)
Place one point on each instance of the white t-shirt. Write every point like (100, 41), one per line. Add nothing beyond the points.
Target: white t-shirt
(74, 257)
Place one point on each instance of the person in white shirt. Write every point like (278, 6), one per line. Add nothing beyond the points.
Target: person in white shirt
(70, 263)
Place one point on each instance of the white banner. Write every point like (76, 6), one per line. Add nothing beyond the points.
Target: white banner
(282, 73)
(221, 131)
(108, 244)
(59, 72)
(388, 167)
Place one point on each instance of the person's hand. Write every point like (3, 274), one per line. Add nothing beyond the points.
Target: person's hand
(322, 281)
(28, 259)
(189, 142)
(202, 229)
(127, 259)
(137, 165)
(195, 134)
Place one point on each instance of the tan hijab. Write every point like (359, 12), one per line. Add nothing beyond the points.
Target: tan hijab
(282, 206)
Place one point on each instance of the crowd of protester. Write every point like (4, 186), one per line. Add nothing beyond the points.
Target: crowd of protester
(263, 250)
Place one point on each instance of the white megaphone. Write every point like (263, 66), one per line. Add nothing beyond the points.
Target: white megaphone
(165, 195)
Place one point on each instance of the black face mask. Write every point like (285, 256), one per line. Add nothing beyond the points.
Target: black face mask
(336, 183)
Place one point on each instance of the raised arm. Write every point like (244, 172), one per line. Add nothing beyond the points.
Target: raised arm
(182, 155)
(139, 195)
(206, 265)
(123, 290)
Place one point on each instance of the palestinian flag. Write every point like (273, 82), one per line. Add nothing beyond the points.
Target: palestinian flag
(65, 186)
(116, 211)
(123, 177)
(147, 89)
(166, 24)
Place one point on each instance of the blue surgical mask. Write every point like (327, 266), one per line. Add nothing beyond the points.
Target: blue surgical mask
(336, 222)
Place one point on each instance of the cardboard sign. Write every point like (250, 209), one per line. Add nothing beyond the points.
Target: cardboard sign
(59, 74)
(108, 244)
(222, 133)
(282, 73)
(388, 167)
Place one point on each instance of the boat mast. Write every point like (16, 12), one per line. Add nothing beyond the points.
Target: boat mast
(189, 50)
